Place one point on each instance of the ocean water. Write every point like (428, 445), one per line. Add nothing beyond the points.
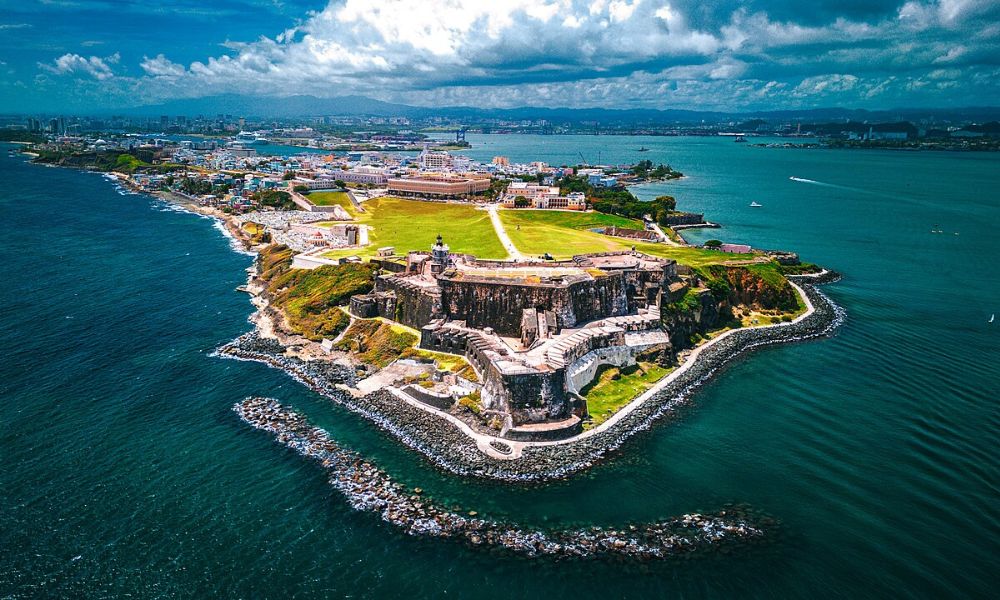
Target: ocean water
(123, 470)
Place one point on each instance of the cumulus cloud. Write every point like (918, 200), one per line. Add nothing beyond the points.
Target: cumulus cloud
(592, 52)
(161, 66)
(95, 66)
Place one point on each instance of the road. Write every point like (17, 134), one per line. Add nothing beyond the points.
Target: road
(512, 251)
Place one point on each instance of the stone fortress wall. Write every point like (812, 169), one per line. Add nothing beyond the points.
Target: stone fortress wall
(462, 304)
(500, 304)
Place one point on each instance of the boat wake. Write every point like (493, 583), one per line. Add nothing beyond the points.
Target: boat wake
(848, 188)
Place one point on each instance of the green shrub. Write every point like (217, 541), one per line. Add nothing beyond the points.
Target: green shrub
(310, 300)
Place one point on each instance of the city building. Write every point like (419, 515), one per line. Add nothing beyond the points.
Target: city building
(542, 196)
(434, 161)
(442, 185)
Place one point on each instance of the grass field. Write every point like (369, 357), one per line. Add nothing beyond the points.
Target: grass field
(331, 199)
(563, 234)
(413, 225)
(613, 388)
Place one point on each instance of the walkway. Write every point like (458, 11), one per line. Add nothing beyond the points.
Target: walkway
(663, 236)
(517, 447)
(512, 252)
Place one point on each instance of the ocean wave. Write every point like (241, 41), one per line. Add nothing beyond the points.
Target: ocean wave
(234, 243)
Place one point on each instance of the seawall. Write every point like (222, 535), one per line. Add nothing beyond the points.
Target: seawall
(450, 446)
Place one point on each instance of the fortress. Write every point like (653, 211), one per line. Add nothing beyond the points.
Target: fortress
(535, 332)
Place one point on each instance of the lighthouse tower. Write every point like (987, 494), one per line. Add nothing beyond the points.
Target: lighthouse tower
(439, 256)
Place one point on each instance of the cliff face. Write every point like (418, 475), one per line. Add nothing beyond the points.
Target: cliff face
(701, 310)
(760, 286)
(698, 312)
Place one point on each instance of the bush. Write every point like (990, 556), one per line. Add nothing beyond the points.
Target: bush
(473, 402)
(719, 288)
(667, 202)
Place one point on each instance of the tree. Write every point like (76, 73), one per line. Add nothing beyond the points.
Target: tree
(713, 243)
(288, 176)
(300, 188)
(277, 199)
(339, 183)
(666, 202)
(521, 202)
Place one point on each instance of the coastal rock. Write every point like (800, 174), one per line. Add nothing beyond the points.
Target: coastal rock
(369, 489)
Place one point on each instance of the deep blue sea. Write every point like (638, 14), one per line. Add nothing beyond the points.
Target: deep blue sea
(123, 471)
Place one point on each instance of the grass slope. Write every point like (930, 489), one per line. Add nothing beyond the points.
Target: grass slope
(613, 388)
(377, 343)
(563, 234)
(311, 299)
(331, 199)
(413, 225)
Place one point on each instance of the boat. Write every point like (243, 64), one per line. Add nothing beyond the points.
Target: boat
(755, 204)
(643, 149)
(993, 316)
(739, 139)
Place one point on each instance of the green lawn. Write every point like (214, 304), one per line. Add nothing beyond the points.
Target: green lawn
(606, 395)
(414, 225)
(564, 234)
(331, 199)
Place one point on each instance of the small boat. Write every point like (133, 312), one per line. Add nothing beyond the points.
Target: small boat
(754, 204)
(643, 149)
(739, 139)
(993, 316)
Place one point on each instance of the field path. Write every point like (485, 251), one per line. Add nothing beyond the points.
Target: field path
(663, 236)
(512, 251)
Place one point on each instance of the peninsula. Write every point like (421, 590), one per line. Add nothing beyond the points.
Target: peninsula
(508, 321)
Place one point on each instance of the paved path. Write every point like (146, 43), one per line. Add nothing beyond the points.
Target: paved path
(663, 236)
(512, 251)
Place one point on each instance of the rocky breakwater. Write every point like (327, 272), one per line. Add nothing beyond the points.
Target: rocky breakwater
(369, 489)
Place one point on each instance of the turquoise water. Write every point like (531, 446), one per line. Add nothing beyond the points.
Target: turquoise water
(125, 472)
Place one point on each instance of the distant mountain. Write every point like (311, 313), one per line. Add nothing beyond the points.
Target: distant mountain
(305, 106)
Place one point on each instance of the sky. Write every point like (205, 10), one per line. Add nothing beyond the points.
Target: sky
(96, 55)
